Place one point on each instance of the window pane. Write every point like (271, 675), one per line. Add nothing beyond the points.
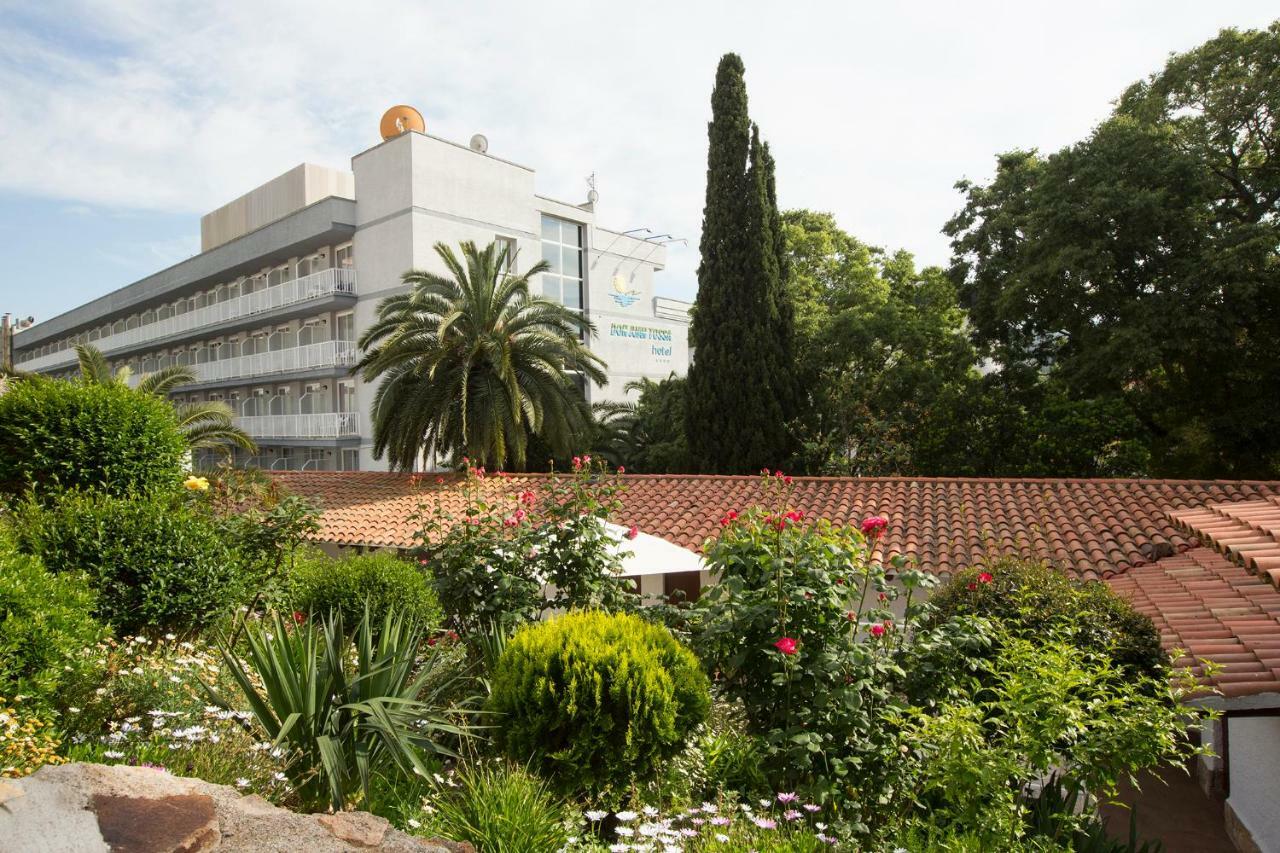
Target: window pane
(572, 262)
(572, 296)
(551, 287)
(570, 234)
(551, 254)
(550, 228)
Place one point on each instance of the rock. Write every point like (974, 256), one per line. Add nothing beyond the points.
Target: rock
(86, 808)
(359, 828)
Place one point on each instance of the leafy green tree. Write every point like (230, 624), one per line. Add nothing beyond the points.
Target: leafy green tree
(881, 346)
(207, 425)
(656, 434)
(1142, 265)
(472, 364)
(742, 384)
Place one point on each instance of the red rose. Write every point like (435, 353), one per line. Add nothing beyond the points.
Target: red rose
(622, 469)
(877, 630)
(786, 645)
(984, 577)
(299, 617)
(633, 532)
(872, 525)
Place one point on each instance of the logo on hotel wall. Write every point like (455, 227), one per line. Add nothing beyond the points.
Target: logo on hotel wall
(621, 295)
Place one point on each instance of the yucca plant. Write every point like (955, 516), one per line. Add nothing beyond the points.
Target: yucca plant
(345, 706)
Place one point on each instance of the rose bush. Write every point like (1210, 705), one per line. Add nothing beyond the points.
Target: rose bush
(492, 563)
(805, 629)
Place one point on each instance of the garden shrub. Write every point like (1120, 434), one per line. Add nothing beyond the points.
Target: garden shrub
(597, 702)
(497, 807)
(1046, 707)
(45, 622)
(1032, 600)
(67, 435)
(27, 739)
(801, 632)
(492, 563)
(157, 561)
(318, 583)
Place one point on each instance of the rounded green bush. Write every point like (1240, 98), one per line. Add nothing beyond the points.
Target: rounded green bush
(67, 435)
(318, 584)
(45, 621)
(156, 561)
(1032, 599)
(596, 702)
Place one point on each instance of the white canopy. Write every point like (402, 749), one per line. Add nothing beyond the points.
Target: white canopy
(651, 555)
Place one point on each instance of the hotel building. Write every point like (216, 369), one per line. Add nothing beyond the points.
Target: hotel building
(290, 274)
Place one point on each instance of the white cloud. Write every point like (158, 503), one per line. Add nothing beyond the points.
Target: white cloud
(873, 110)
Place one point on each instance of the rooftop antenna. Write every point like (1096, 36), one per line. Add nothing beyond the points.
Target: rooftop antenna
(592, 195)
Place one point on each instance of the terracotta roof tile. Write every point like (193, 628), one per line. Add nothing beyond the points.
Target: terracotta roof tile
(1093, 528)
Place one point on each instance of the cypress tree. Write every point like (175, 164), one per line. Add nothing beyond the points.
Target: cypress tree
(740, 391)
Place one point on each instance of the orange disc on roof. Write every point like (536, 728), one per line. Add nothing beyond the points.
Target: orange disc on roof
(401, 119)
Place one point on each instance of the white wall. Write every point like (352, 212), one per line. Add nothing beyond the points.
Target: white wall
(1253, 762)
(415, 191)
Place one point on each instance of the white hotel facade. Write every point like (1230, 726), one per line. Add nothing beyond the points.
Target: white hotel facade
(291, 273)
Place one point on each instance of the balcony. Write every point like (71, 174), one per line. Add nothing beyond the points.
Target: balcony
(314, 286)
(319, 425)
(288, 360)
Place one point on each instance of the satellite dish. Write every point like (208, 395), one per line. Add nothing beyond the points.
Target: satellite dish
(401, 119)
(480, 143)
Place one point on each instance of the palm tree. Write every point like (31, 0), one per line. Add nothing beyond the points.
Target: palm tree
(473, 364)
(208, 425)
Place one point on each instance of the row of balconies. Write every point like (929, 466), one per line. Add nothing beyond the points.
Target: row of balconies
(286, 360)
(315, 286)
(314, 425)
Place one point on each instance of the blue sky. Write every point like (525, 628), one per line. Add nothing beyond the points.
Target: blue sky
(122, 122)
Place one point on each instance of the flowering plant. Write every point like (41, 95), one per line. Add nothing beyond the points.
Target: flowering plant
(515, 553)
(805, 627)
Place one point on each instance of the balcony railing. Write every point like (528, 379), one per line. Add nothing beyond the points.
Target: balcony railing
(319, 425)
(308, 287)
(288, 360)
(289, 463)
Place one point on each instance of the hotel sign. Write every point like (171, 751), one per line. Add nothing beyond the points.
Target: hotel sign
(659, 339)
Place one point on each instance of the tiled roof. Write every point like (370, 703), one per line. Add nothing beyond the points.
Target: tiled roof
(1246, 532)
(1093, 528)
(1212, 609)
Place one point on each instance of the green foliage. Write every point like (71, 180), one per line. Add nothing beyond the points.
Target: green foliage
(1044, 707)
(742, 386)
(656, 442)
(497, 807)
(474, 364)
(342, 722)
(62, 435)
(596, 702)
(157, 561)
(1031, 600)
(818, 704)
(1140, 263)
(318, 584)
(45, 622)
(205, 425)
(492, 563)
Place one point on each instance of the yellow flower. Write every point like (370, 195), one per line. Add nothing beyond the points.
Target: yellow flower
(196, 484)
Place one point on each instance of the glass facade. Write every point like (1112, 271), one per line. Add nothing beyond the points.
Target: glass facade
(562, 250)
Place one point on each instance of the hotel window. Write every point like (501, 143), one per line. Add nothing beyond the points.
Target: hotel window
(313, 331)
(350, 460)
(312, 400)
(346, 397)
(282, 402)
(508, 245)
(345, 327)
(562, 250)
(343, 257)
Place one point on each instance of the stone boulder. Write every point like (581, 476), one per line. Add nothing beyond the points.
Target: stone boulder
(86, 808)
